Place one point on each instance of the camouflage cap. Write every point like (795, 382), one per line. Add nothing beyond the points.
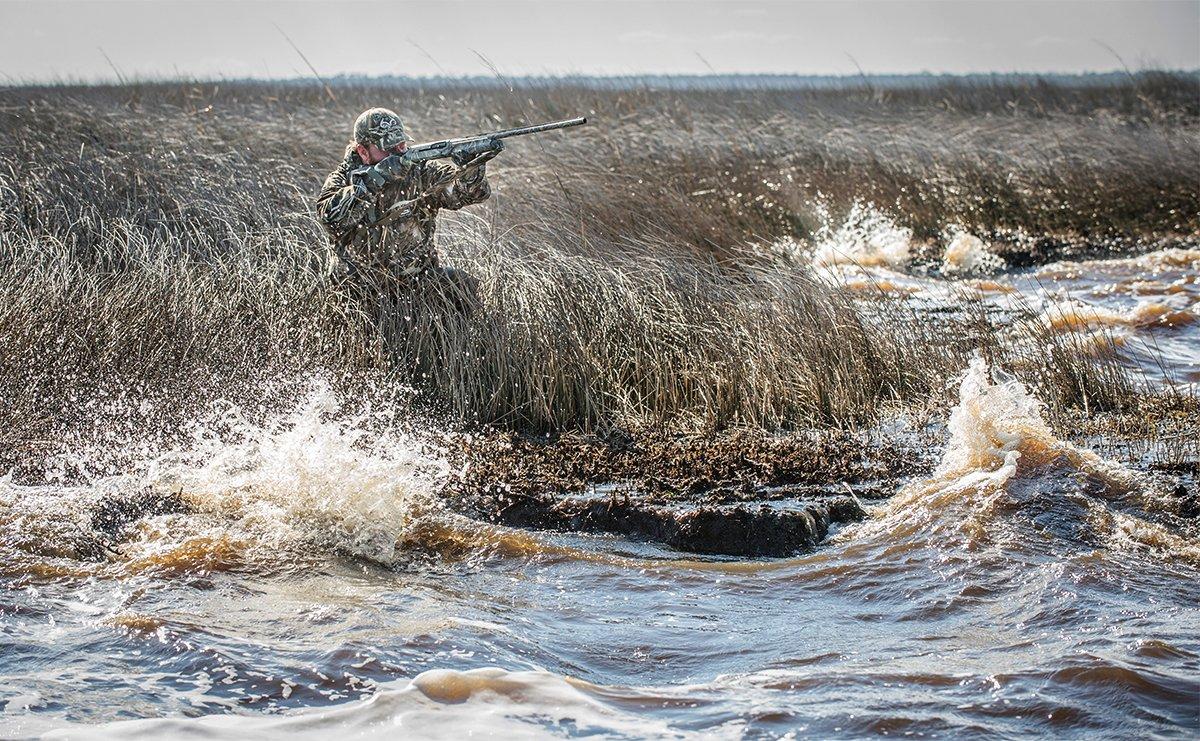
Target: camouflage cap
(381, 127)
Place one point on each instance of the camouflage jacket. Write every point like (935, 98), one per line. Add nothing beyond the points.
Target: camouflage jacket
(390, 234)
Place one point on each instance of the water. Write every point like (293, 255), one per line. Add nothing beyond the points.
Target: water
(1145, 309)
(316, 587)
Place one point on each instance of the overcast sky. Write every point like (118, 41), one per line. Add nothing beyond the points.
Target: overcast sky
(47, 40)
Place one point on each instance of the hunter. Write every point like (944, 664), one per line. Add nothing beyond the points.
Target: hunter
(380, 209)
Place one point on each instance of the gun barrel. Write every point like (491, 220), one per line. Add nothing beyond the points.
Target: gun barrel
(477, 144)
(536, 128)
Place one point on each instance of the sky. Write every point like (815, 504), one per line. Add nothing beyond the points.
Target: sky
(49, 40)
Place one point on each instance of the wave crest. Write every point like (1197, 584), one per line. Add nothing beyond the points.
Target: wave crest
(1004, 471)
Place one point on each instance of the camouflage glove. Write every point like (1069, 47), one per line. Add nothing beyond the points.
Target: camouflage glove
(387, 171)
(475, 159)
(471, 176)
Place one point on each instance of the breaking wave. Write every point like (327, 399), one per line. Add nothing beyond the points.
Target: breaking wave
(1006, 479)
(1171, 270)
(436, 704)
(1072, 314)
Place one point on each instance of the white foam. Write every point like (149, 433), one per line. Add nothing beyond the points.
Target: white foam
(347, 484)
(967, 254)
(309, 480)
(867, 238)
(997, 434)
(437, 704)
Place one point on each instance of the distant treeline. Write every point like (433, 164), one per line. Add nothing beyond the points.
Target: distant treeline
(757, 81)
(741, 81)
(1144, 94)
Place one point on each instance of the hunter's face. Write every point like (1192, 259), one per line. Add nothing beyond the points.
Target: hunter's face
(372, 154)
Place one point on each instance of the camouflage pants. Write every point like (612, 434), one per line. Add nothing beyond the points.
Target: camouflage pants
(435, 290)
(434, 284)
(420, 319)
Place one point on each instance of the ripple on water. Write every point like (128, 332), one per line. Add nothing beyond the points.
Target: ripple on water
(1020, 589)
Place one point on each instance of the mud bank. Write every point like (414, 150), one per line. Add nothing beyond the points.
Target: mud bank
(738, 493)
(774, 528)
(732, 462)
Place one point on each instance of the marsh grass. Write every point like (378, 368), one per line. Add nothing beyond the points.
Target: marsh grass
(158, 239)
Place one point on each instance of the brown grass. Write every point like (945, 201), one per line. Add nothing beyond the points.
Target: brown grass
(157, 242)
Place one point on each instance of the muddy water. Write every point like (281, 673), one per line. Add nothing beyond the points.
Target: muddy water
(1147, 307)
(1143, 310)
(1028, 586)
(311, 585)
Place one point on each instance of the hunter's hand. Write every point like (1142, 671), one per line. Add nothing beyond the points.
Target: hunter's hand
(388, 170)
(467, 160)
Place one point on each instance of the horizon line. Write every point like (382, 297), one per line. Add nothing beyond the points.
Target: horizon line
(342, 78)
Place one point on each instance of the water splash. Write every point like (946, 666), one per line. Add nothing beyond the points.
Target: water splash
(299, 484)
(353, 485)
(867, 238)
(1006, 479)
(967, 254)
(993, 426)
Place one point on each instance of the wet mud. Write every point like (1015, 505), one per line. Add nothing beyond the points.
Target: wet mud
(777, 528)
(113, 516)
(731, 463)
(737, 493)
